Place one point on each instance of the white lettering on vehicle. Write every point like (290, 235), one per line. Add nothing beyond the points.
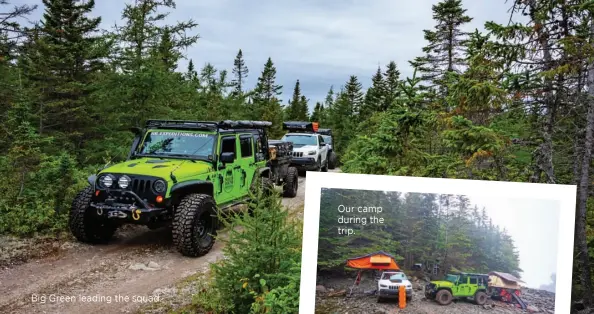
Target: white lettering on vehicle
(180, 134)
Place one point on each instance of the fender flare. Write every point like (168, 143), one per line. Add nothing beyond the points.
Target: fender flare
(262, 170)
(191, 183)
(92, 179)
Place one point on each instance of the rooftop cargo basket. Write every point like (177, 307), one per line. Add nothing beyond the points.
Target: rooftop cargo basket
(206, 125)
(325, 131)
(300, 126)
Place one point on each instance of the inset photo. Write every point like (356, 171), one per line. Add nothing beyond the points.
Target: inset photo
(423, 245)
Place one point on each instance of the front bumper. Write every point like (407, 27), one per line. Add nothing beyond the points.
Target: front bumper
(391, 293)
(138, 212)
(305, 163)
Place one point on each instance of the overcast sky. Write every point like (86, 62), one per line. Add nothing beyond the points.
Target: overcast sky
(534, 226)
(320, 43)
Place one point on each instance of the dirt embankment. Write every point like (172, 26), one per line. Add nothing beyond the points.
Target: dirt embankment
(331, 299)
(137, 269)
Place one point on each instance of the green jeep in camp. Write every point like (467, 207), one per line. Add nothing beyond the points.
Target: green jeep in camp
(180, 173)
(459, 286)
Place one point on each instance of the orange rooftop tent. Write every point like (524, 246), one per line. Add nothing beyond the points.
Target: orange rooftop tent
(378, 260)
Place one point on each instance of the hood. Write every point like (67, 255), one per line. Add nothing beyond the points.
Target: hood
(159, 167)
(388, 281)
(442, 283)
(305, 148)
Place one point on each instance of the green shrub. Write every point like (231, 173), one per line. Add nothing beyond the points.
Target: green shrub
(261, 269)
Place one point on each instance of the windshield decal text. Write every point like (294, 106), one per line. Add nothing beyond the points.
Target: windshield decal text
(180, 134)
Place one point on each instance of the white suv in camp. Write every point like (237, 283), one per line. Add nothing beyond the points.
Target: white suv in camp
(310, 152)
(389, 284)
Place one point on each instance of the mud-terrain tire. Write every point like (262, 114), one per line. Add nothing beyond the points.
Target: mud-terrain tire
(332, 160)
(444, 297)
(408, 299)
(84, 223)
(195, 225)
(291, 183)
(480, 298)
(380, 299)
(325, 166)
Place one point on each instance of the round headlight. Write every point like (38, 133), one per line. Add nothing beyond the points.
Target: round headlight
(124, 181)
(106, 181)
(160, 186)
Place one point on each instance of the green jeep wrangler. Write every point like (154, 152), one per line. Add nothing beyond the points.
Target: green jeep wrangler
(459, 286)
(180, 173)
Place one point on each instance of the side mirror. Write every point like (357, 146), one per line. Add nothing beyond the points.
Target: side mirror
(322, 144)
(227, 157)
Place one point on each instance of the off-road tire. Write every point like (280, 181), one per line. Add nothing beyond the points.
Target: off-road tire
(325, 167)
(444, 297)
(194, 227)
(408, 299)
(380, 299)
(480, 298)
(84, 223)
(291, 183)
(332, 160)
(319, 164)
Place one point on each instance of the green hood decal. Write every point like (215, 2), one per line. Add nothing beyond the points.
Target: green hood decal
(160, 167)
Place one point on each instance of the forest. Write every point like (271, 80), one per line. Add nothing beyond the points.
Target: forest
(416, 228)
(510, 102)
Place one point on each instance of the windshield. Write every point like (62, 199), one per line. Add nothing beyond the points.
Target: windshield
(451, 278)
(178, 144)
(300, 140)
(394, 276)
(327, 139)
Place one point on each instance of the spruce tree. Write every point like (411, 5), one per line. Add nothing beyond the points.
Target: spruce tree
(293, 108)
(374, 97)
(240, 73)
(303, 109)
(445, 48)
(318, 113)
(391, 85)
(265, 104)
(67, 54)
(354, 95)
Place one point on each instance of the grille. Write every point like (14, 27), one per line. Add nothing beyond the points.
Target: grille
(393, 287)
(297, 154)
(141, 187)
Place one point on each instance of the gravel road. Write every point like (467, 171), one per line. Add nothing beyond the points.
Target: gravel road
(119, 277)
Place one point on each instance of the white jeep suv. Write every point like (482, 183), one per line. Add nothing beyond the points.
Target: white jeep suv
(310, 152)
(389, 284)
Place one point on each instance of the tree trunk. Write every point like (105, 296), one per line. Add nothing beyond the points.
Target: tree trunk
(582, 192)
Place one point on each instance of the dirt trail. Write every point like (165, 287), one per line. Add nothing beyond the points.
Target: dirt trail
(98, 279)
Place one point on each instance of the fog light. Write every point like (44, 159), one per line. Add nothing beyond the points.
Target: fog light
(159, 199)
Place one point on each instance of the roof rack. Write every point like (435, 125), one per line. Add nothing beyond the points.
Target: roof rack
(207, 125)
(325, 131)
(300, 126)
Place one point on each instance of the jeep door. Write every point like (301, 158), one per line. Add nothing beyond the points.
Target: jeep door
(323, 150)
(247, 162)
(228, 175)
(463, 286)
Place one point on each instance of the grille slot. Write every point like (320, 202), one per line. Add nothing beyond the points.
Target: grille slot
(297, 154)
(141, 186)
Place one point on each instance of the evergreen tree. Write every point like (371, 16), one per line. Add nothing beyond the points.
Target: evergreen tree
(445, 49)
(374, 97)
(353, 96)
(303, 109)
(391, 85)
(292, 111)
(318, 114)
(66, 57)
(266, 105)
(240, 73)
